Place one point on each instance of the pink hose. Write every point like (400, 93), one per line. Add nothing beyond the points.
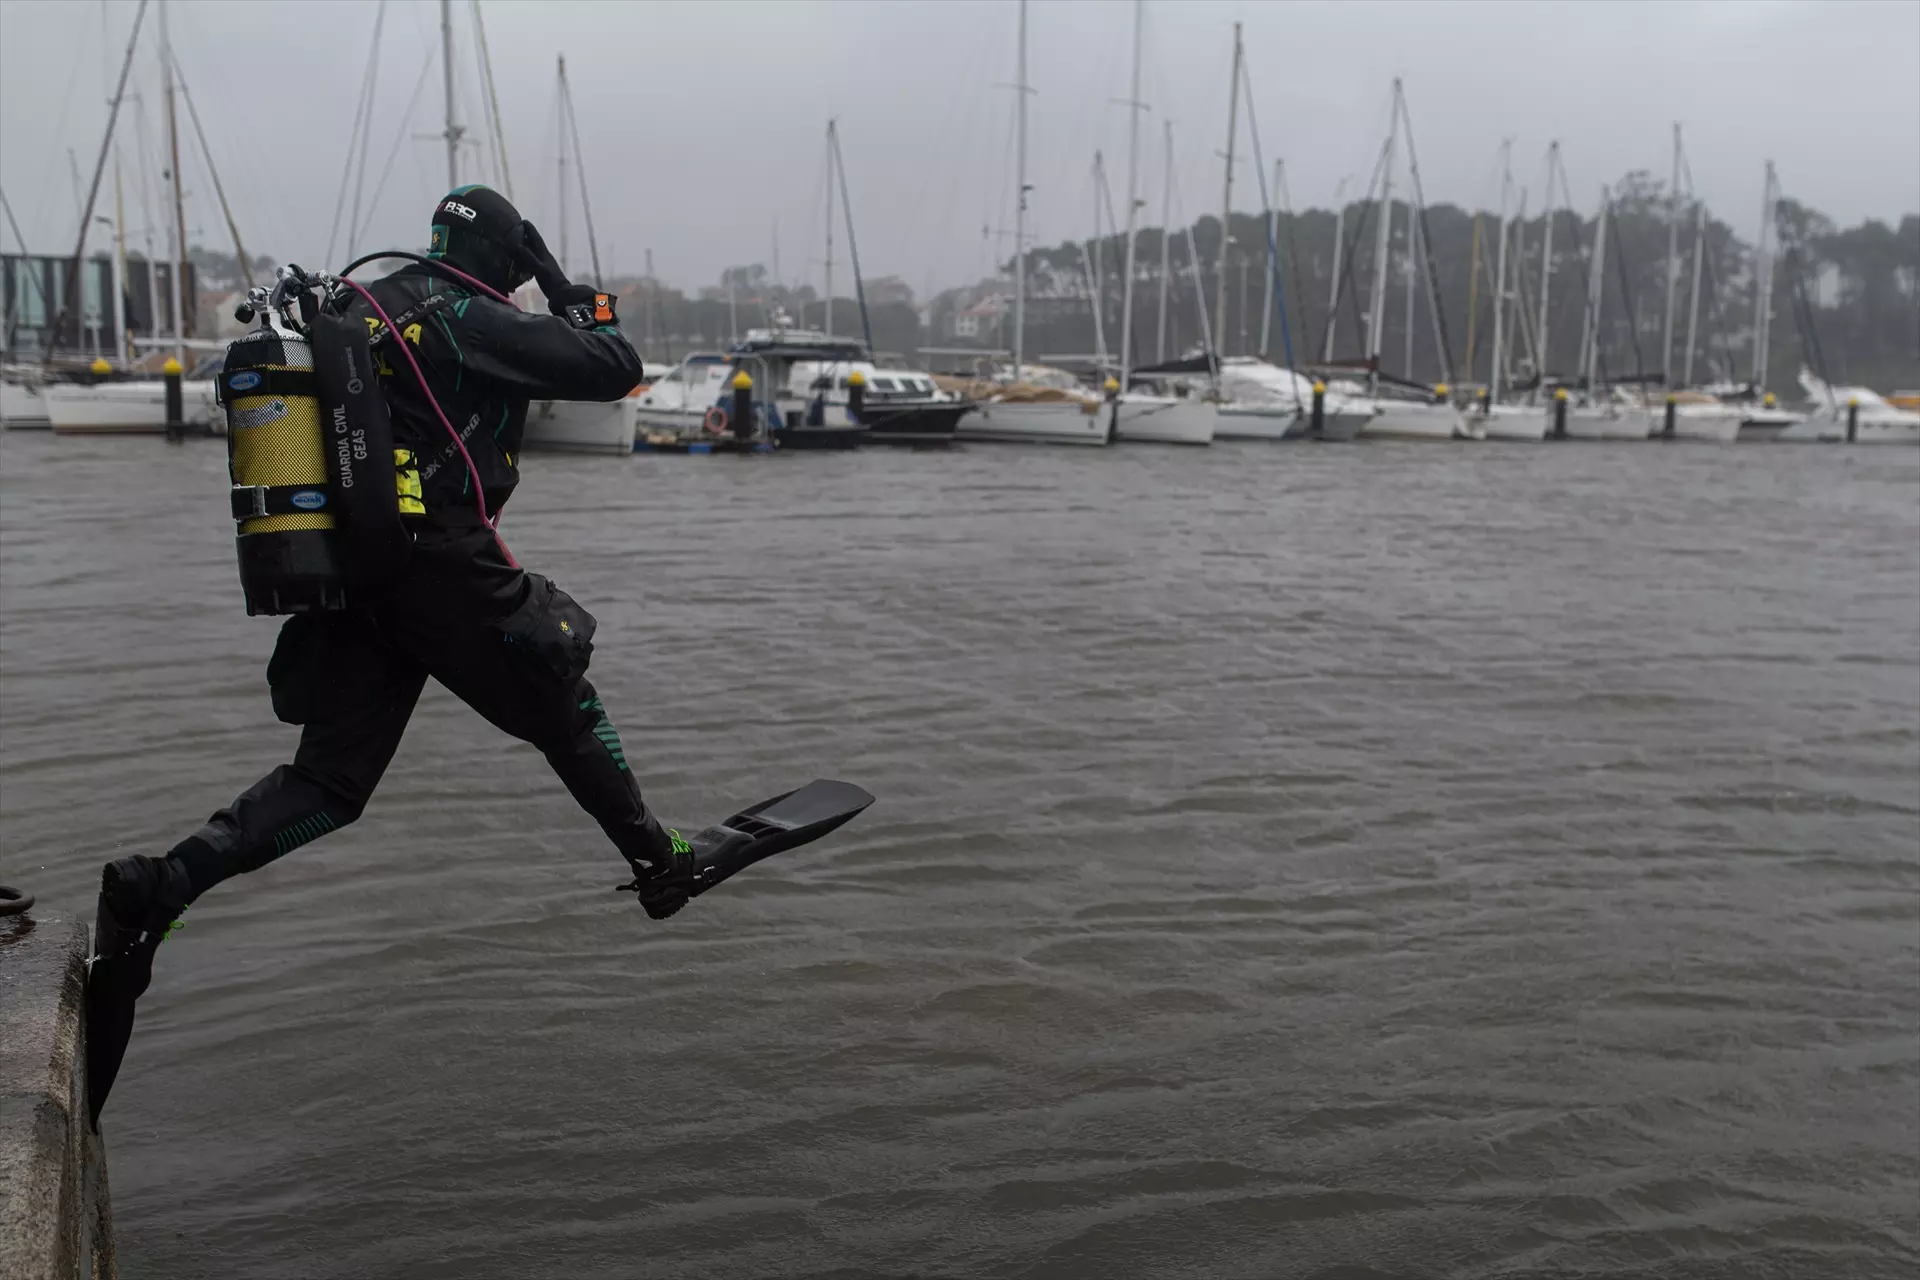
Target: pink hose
(399, 340)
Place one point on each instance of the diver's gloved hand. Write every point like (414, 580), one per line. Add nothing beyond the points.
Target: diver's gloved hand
(580, 305)
(538, 261)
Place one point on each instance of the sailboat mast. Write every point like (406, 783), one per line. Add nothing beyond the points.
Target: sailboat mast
(1273, 239)
(1673, 261)
(1546, 253)
(453, 131)
(1333, 288)
(179, 202)
(1133, 192)
(1763, 284)
(1226, 205)
(1413, 245)
(1020, 206)
(1496, 367)
(1376, 310)
(1693, 294)
(1596, 289)
(827, 322)
(560, 148)
(1166, 241)
(853, 245)
(1098, 277)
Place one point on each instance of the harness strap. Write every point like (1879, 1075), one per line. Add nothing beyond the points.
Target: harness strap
(263, 382)
(251, 501)
(413, 315)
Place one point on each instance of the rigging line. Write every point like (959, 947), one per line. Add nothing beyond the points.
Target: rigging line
(580, 168)
(1119, 250)
(1349, 252)
(1293, 247)
(353, 132)
(853, 248)
(1432, 273)
(1193, 272)
(493, 101)
(354, 224)
(1626, 300)
(219, 190)
(400, 137)
(1273, 250)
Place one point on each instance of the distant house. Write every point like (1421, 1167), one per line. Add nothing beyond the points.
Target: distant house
(980, 318)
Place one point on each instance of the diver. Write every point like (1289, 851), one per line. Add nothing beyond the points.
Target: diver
(507, 642)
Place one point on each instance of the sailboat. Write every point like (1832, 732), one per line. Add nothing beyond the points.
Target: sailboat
(1604, 413)
(138, 406)
(1696, 415)
(1016, 410)
(1494, 420)
(1140, 415)
(1398, 419)
(1766, 422)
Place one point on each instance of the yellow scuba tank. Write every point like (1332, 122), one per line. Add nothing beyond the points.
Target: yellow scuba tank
(318, 486)
(287, 535)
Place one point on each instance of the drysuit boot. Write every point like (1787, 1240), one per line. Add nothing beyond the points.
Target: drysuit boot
(663, 881)
(140, 898)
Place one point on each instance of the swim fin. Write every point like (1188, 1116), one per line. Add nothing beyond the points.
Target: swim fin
(787, 821)
(140, 898)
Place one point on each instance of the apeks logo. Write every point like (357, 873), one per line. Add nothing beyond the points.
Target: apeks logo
(459, 210)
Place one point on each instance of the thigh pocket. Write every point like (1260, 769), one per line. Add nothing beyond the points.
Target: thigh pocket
(550, 630)
(297, 672)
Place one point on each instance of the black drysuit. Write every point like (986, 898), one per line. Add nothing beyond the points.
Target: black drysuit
(463, 611)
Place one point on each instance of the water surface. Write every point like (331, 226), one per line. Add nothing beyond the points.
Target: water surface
(1406, 861)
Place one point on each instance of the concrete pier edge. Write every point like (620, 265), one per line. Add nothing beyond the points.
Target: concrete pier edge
(56, 1217)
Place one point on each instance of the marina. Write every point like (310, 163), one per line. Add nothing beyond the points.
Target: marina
(1335, 751)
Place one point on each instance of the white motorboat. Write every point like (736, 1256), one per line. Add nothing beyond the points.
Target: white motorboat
(581, 426)
(1877, 422)
(131, 408)
(1411, 420)
(678, 400)
(1142, 417)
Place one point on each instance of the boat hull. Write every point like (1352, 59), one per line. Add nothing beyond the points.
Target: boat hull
(129, 408)
(918, 423)
(575, 426)
(1036, 422)
(1766, 426)
(1260, 422)
(1711, 425)
(1163, 420)
(1510, 422)
(833, 437)
(1408, 421)
(1868, 431)
(1599, 424)
(23, 407)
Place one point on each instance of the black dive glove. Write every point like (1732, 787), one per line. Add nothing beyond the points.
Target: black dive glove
(580, 305)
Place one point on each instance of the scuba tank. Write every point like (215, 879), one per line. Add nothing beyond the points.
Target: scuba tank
(287, 536)
(318, 487)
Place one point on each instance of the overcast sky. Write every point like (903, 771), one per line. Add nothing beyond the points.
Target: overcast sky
(702, 124)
